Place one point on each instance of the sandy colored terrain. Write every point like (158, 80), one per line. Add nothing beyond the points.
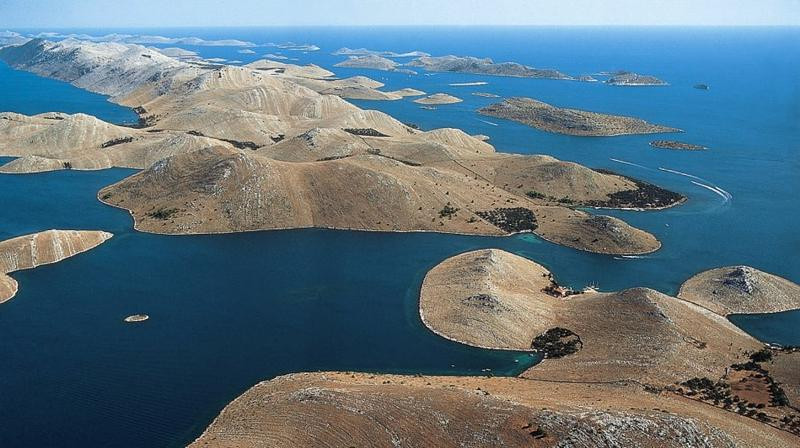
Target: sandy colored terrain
(273, 145)
(30, 251)
(491, 298)
(438, 98)
(741, 289)
(357, 409)
(570, 121)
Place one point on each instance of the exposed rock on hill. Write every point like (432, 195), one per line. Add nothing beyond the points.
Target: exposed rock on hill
(30, 251)
(570, 121)
(741, 289)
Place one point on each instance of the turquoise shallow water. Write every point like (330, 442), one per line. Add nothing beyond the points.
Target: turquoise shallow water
(230, 310)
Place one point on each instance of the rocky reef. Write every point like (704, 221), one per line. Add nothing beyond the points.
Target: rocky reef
(672, 144)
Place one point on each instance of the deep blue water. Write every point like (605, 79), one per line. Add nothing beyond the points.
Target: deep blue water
(230, 310)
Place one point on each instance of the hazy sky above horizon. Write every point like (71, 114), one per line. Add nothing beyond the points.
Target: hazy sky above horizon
(164, 13)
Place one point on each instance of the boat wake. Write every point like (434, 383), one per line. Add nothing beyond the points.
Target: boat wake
(702, 183)
(630, 163)
(722, 193)
(487, 122)
(629, 257)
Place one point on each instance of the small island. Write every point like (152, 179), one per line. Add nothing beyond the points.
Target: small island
(634, 79)
(673, 144)
(439, 98)
(485, 66)
(741, 290)
(576, 122)
(374, 62)
(134, 318)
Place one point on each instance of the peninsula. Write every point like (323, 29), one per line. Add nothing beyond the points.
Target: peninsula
(30, 251)
(741, 290)
(577, 122)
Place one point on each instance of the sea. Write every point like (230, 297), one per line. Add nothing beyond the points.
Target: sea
(228, 311)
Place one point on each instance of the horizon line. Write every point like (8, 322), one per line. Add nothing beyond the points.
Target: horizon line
(450, 25)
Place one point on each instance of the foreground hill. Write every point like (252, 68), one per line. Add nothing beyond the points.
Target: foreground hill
(357, 409)
(632, 368)
(30, 251)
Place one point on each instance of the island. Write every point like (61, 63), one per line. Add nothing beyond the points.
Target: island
(485, 66)
(344, 51)
(37, 249)
(374, 62)
(274, 146)
(634, 79)
(673, 144)
(576, 122)
(615, 366)
(438, 98)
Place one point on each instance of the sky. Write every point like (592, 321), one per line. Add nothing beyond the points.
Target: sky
(168, 13)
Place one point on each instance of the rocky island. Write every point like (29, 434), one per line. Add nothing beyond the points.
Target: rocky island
(274, 146)
(30, 251)
(374, 62)
(439, 98)
(485, 66)
(672, 144)
(634, 79)
(570, 121)
(616, 367)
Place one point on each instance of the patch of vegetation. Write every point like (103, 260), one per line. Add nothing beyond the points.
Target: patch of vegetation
(644, 196)
(510, 220)
(448, 211)
(365, 132)
(535, 195)
(162, 213)
(557, 342)
(67, 165)
(116, 141)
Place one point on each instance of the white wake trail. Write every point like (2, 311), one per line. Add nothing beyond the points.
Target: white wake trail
(629, 163)
(723, 195)
(487, 122)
